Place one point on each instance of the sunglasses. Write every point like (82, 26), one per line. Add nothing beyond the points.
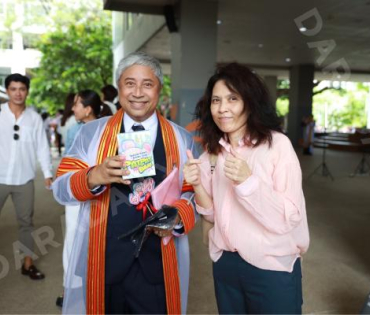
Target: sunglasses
(16, 135)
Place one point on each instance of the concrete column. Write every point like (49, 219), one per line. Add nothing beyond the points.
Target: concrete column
(300, 99)
(271, 83)
(193, 55)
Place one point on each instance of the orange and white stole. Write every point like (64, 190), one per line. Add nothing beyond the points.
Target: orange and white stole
(95, 299)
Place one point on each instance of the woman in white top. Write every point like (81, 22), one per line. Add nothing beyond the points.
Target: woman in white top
(86, 107)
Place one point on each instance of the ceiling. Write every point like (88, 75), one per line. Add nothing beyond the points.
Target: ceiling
(264, 34)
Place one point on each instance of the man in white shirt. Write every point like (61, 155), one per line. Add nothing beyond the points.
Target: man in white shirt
(23, 140)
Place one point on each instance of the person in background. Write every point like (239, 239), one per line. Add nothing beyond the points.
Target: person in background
(105, 110)
(86, 108)
(68, 119)
(55, 124)
(46, 123)
(249, 183)
(109, 94)
(308, 124)
(23, 141)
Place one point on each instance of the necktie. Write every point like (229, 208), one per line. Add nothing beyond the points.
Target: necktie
(138, 128)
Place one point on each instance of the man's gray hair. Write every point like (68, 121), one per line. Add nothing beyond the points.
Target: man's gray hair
(142, 59)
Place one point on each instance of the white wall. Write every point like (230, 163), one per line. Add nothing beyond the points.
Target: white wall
(129, 38)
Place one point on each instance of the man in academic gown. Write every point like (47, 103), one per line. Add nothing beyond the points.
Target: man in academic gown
(113, 280)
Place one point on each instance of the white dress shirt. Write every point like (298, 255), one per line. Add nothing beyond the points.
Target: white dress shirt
(151, 125)
(18, 157)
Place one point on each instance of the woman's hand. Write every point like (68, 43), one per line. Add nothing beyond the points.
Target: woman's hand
(192, 170)
(110, 171)
(236, 168)
(192, 176)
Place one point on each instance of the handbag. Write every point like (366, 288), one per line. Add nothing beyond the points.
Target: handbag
(207, 225)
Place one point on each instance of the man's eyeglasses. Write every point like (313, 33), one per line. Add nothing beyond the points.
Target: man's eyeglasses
(16, 135)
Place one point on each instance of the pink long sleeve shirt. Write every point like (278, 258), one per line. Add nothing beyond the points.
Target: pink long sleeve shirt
(263, 218)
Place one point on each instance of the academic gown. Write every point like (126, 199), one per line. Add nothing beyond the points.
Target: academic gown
(96, 141)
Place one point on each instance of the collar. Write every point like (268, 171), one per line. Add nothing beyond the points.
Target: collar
(6, 110)
(5, 107)
(149, 124)
(242, 142)
(227, 146)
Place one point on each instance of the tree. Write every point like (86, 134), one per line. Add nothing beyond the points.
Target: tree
(6, 32)
(342, 108)
(164, 102)
(76, 55)
(282, 101)
(283, 89)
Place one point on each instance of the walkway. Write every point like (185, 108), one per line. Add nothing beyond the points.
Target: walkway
(336, 268)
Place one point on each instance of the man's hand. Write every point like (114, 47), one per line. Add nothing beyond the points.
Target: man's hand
(110, 171)
(48, 182)
(236, 168)
(192, 170)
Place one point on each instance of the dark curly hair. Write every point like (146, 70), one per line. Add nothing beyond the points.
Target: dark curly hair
(262, 118)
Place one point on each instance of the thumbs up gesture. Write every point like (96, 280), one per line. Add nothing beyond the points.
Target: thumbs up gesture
(236, 168)
(192, 170)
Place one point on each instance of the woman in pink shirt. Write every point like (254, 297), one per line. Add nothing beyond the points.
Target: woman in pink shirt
(249, 183)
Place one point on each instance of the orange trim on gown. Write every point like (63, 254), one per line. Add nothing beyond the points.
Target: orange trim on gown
(98, 225)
